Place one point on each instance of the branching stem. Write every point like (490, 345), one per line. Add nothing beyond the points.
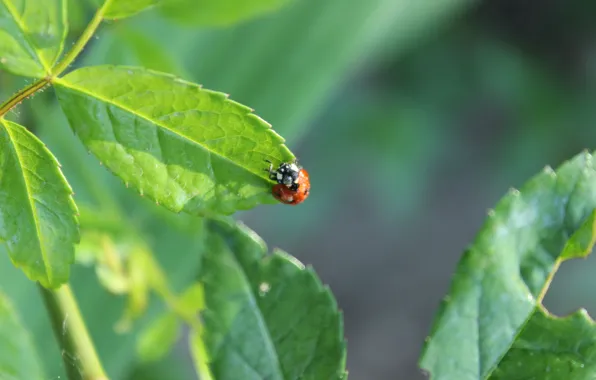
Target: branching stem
(60, 67)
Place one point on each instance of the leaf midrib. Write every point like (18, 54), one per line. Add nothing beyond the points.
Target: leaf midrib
(31, 204)
(30, 45)
(66, 84)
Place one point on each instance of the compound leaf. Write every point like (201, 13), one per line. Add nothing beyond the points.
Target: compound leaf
(38, 219)
(18, 360)
(493, 317)
(222, 12)
(266, 317)
(185, 147)
(32, 34)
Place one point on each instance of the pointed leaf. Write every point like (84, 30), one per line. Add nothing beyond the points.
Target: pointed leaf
(158, 338)
(18, 360)
(266, 317)
(37, 212)
(126, 8)
(187, 148)
(502, 278)
(222, 12)
(32, 34)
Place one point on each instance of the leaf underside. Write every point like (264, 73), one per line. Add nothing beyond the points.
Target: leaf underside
(18, 360)
(32, 34)
(187, 148)
(38, 220)
(492, 321)
(266, 317)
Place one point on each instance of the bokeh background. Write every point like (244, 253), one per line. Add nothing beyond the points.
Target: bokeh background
(413, 118)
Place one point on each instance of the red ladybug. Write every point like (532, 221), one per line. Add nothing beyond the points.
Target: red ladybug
(293, 184)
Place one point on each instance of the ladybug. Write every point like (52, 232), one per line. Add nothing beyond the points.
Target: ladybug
(293, 184)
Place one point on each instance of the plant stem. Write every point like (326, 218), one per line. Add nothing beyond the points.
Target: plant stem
(78, 353)
(82, 41)
(60, 67)
(22, 95)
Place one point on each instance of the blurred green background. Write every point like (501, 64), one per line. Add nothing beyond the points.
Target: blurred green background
(413, 117)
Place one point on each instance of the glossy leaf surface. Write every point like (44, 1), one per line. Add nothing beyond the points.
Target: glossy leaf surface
(503, 276)
(266, 317)
(126, 8)
(38, 220)
(187, 148)
(32, 34)
(223, 12)
(18, 360)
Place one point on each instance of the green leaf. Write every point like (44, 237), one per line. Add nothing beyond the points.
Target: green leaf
(266, 316)
(222, 12)
(187, 148)
(503, 276)
(18, 360)
(126, 8)
(191, 301)
(551, 348)
(38, 219)
(158, 338)
(32, 34)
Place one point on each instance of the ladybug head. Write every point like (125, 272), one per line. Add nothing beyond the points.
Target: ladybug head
(286, 174)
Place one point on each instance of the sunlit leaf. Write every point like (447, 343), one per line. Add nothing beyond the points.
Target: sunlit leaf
(32, 34)
(222, 12)
(266, 316)
(126, 8)
(157, 339)
(37, 213)
(187, 148)
(494, 310)
(18, 360)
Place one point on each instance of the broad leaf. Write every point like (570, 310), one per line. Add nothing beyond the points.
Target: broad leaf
(266, 317)
(186, 148)
(492, 316)
(158, 338)
(18, 360)
(126, 8)
(222, 12)
(32, 34)
(37, 213)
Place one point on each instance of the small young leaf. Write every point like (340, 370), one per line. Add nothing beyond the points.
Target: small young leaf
(32, 34)
(191, 301)
(494, 304)
(37, 213)
(18, 360)
(158, 338)
(266, 316)
(218, 13)
(126, 8)
(184, 147)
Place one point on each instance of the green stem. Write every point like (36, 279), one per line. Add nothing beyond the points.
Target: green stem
(22, 95)
(63, 65)
(82, 41)
(78, 353)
